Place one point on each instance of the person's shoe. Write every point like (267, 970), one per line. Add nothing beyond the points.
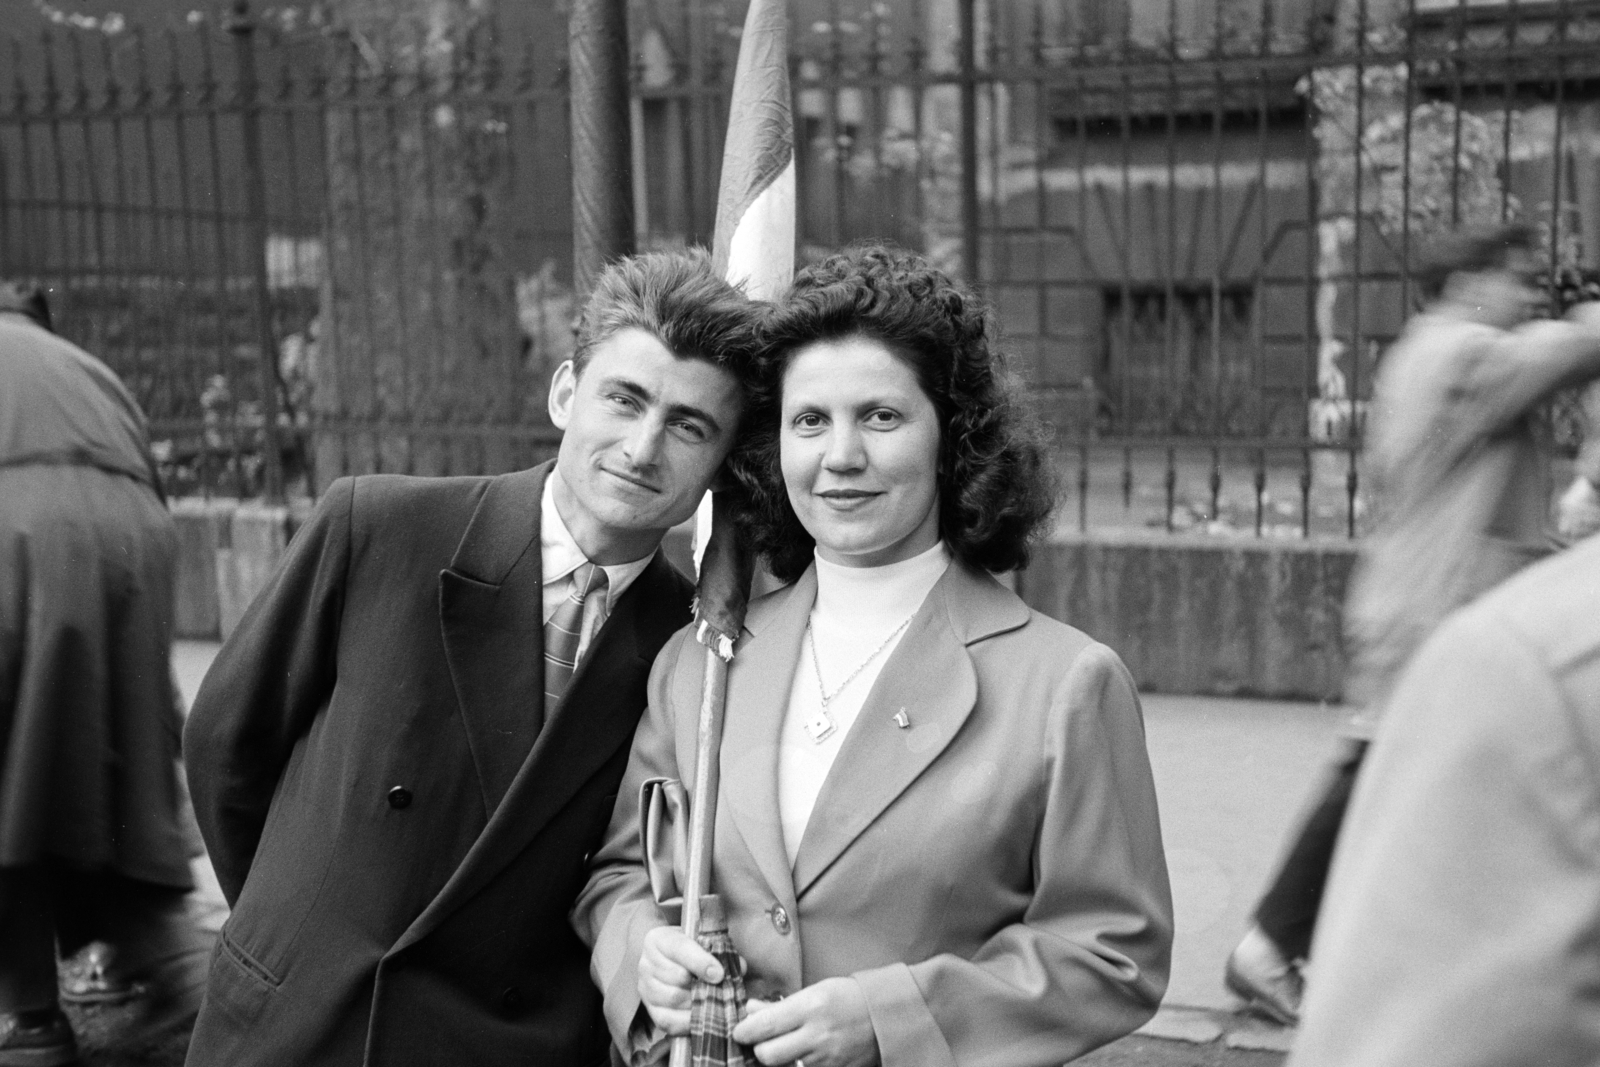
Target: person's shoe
(92, 977)
(37, 1039)
(1268, 984)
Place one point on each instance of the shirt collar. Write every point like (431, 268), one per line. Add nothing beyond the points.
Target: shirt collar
(560, 554)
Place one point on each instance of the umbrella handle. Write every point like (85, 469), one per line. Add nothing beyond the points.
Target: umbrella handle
(703, 806)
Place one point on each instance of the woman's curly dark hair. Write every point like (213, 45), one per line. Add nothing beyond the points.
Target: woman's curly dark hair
(996, 488)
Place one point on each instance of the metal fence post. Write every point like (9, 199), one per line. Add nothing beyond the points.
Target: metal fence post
(968, 58)
(242, 26)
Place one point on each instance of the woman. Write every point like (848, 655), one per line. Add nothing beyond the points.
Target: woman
(937, 840)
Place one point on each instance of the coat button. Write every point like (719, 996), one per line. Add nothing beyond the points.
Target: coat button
(780, 919)
(511, 999)
(399, 798)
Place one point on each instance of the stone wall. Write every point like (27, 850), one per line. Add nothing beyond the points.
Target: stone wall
(1204, 615)
(1188, 613)
(227, 550)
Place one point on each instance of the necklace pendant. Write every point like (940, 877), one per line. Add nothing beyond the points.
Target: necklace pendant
(819, 727)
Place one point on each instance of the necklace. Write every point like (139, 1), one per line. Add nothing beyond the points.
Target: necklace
(821, 726)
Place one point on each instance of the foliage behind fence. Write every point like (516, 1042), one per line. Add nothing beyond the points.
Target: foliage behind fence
(1195, 218)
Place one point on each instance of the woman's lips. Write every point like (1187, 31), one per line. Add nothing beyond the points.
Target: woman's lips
(844, 499)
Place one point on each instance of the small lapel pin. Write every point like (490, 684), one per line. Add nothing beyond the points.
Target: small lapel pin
(901, 719)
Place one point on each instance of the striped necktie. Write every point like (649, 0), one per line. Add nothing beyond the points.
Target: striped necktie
(564, 632)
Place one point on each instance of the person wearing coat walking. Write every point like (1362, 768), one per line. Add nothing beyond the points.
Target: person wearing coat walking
(1464, 489)
(1463, 909)
(92, 840)
(403, 755)
(937, 840)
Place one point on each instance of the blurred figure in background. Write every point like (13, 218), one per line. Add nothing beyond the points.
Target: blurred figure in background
(1578, 513)
(1464, 905)
(1464, 494)
(92, 847)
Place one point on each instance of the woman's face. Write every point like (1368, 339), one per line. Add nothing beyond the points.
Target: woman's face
(859, 446)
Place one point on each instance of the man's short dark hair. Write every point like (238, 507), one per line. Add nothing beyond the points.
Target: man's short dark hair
(25, 299)
(1473, 250)
(679, 299)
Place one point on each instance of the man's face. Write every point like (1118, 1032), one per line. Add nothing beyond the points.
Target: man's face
(1507, 296)
(646, 432)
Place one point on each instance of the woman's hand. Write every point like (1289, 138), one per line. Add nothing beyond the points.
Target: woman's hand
(668, 966)
(825, 1025)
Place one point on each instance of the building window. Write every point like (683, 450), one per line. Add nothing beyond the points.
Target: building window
(1178, 360)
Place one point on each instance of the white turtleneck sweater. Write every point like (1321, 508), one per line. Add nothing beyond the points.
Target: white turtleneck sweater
(856, 609)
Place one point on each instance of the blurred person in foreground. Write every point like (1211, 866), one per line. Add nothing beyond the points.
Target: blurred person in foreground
(1462, 925)
(937, 840)
(405, 752)
(1464, 496)
(92, 840)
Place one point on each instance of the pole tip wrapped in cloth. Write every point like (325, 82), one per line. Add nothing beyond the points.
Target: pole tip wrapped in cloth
(723, 592)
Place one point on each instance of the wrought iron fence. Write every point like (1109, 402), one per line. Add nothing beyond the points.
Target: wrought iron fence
(1195, 218)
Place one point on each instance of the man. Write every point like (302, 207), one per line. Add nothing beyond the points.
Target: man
(1464, 492)
(396, 767)
(1578, 511)
(1462, 927)
(92, 846)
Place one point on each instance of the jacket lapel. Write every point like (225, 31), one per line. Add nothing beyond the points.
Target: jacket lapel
(595, 718)
(492, 620)
(758, 696)
(931, 678)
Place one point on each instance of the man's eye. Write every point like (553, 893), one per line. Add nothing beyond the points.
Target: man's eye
(622, 400)
(692, 430)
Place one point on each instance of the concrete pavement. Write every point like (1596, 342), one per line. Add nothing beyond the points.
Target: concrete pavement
(1231, 777)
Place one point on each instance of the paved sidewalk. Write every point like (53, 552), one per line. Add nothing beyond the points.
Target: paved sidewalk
(1231, 776)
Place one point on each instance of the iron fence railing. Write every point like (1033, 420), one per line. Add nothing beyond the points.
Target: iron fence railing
(1196, 219)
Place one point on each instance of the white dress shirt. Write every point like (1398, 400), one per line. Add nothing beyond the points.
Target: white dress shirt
(560, 555)
(856, 609)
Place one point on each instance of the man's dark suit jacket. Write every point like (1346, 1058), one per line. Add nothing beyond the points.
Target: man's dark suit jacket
(399, 851)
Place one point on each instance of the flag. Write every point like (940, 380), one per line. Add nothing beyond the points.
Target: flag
(752, 246)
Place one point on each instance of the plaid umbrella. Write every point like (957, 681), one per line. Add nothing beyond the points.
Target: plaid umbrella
(718, 1006)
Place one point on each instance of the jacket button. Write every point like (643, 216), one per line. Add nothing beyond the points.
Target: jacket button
(780, 919)
(399, 798)
(511, 999)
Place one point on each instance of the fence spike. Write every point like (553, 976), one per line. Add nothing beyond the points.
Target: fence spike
(110, 90)
(175, 87)
(19, 90)
(143, 93)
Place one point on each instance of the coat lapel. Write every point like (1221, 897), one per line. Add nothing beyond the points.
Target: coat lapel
(758, 697)
(492, 620)
(931, 678)
(595, 718)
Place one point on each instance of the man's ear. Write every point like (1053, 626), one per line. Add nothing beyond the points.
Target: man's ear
(563, 390)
